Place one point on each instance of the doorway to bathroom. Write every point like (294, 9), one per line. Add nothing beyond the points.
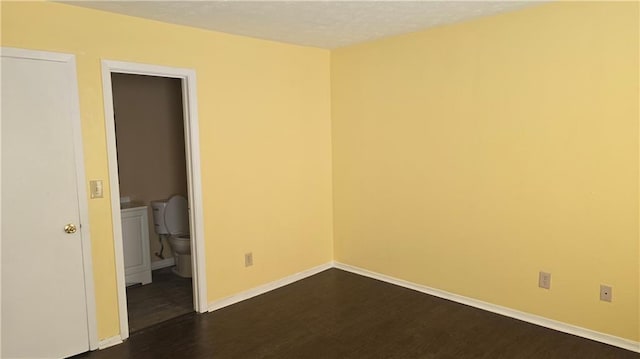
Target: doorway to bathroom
(151, 169)
(152, 138)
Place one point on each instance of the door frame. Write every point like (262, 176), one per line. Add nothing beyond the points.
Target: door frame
(192, 152)
(81, 182)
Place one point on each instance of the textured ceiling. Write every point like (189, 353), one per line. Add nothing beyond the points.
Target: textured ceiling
(325, 24)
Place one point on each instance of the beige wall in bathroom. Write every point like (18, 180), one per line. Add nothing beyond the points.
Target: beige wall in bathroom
(150, 141)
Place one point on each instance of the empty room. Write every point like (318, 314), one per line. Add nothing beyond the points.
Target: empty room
(320, 179)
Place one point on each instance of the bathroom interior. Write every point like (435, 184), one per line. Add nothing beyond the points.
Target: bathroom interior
(148, 112)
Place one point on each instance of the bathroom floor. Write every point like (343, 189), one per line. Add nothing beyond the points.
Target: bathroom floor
(167, 297)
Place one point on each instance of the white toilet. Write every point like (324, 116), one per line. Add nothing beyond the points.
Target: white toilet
(171, 220)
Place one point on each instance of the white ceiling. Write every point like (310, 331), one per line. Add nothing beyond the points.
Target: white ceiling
(324, 24)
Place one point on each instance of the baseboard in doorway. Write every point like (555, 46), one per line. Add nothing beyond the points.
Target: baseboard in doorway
(109, 342)
(233, 299)
(167, 262)
(508, 312)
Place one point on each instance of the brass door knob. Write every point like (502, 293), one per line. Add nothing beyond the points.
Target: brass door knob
(70, 228)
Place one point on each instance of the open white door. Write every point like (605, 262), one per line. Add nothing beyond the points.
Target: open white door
(46, 267)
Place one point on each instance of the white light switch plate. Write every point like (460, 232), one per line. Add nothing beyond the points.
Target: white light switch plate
(96, 188)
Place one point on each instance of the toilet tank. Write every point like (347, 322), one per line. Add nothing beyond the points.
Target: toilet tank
(158, 208)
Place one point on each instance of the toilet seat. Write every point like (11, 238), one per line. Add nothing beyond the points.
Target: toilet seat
(176, 216)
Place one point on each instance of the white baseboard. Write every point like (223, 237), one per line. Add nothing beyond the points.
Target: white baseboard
(221, 303)
(109, 342)
(508, 312)
(167, 262)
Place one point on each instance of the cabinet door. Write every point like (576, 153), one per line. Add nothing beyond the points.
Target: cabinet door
(135, 238)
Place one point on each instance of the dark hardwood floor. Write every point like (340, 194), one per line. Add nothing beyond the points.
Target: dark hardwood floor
(336, 314)
(167, 296)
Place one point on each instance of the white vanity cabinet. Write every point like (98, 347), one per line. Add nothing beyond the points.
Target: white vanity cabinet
(135, 242)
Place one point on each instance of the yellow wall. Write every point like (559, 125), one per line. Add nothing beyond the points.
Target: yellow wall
(469, 157)
(264, 112)
(465, 158)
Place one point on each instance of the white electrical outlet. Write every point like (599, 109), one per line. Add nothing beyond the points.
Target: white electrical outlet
(544, 280)
(248, 259)
(606, 294)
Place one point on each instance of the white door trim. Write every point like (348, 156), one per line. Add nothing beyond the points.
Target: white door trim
(192, 151)
(83, 206)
